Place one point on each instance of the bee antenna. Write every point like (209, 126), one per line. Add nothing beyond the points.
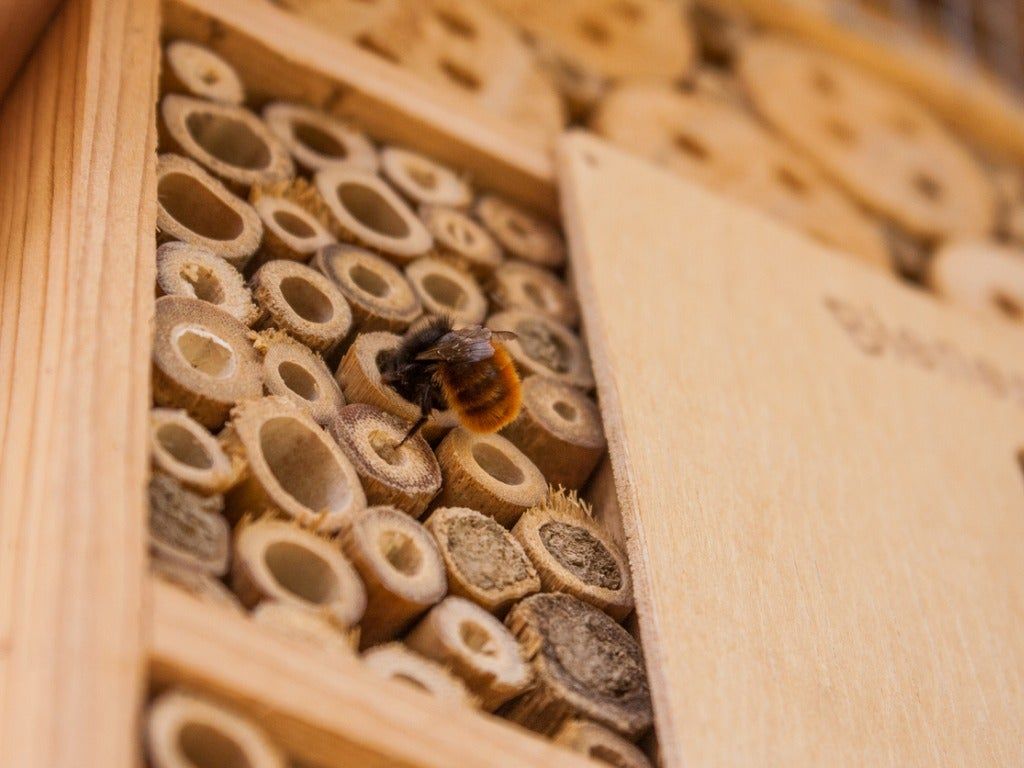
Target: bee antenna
(412, 431)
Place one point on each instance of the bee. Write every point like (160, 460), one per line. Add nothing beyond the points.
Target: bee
(468, 370)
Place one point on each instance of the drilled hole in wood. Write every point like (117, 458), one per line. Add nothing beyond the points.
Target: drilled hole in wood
(299, 380)
(565, 410)
(205, 285)
(209, 77)
(383, 445)
(1008, 305)
(402, 677)
(229, 140)
(205, 352)
(823, 83)
(476, 638)
(456, 24)
(194, 206)
(318, 140)
(424, 177)
(497, 464)
(371, 209)
(401, 551)
(206, 747)
(595, 31)
(460, 76)
(459, 233)
(790, 181)
(306, 300)
(445, 291)
(183, 446)
(305, 468)
(629, 11)
(369, 281)
(370, 45)
(691, 146)
(841, 131)
(293, 224)
(301, 571)
(928, 186)
(610, 756)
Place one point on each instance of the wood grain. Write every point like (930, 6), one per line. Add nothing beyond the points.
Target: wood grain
(819, 484)
(279, 56)
(328, 711)
(20, 26)
(77, 217)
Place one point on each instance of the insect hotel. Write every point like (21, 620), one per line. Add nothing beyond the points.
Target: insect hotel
(507, 383)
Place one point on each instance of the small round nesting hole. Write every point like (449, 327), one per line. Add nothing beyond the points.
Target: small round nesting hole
(306, 300)
(301, 572)
(476, 638)
(294, 224)
(689, 145)
(302, 464)
(369, 281)
(445, 291)
(497, 464)
(566, 410)
(594, 31)
(460, 75)
(456, 24)
(371, 209)
(229, 140)
(183, 446)
(424, 178)
(192, 204)
(927, 186)
(205, 285)
(1009, 306)
(607, 755)
(205, 352)
(841, 131)
(791, 182)
(318, 140)
(385, 446)
(399, 549)
(204, 746)
(299, 380)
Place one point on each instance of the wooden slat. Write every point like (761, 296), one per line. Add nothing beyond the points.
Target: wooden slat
(819, 482)
(331, 713)
(282, 57)
(77, 216)
(20, 26)
(974, 103)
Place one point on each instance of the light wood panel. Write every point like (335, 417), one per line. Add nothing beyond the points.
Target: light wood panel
(20, 26)
(280, 56)
(971, 101)
(819, 482)
(77, 218)
(327, 712)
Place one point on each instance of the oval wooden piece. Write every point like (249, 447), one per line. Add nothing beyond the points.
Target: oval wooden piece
(891, 154)
(394, 661)
(422, 180)
(290, 231)
(316, 140)
(195, 70)
(292, 370)
(182, 447)
(600, 744)
(522, 234)
(183, 269)
(203, 360)
(194, 207)
(187, 528)
(445, 290)
(544, 347)
(458, 238)
(985, 277)
(517, 285)
(293, 467)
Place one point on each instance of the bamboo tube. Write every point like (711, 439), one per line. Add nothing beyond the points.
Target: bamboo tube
(982, 276)
(183, 269)
(317, 140)
(522, 234)
(201, 586)
(203, 360)
(489, 474)
(306, 627)
(460, 240)
(544, 347)
(192, 206)
(290, 231)
(393, 661)
(293, 467)
(476, 647)
(573, 554)
(300, 301)
(517, 285)
(229, 141)
(359, 376)
(186, 731)
(422, 180)
(559, 429)
(194, 70)
(380, 297)
(293, 371)
(484, 561)
(446, 290)
(406, 477)
(281, 562)
(365, 211)
(599, 743)
(586, 666)
(182, 448)
(187, 528)
(400, 566)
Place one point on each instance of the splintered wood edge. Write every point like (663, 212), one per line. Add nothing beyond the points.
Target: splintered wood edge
(576, 151)
(325, 710)
(301, 63)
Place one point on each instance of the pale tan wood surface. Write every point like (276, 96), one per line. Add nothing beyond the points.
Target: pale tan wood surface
(77, 144)
(964, 96)
(324, 710)
(280, 56)
(826, 528)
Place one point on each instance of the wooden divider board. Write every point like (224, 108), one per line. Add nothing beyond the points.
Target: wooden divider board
(822, 498)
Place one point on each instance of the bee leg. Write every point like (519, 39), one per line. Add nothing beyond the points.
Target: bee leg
(425, 408)
(412, 432)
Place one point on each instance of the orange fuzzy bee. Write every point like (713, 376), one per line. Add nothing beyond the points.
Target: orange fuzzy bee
(468, 370)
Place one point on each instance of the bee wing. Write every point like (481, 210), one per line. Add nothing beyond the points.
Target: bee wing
(465, 345)
(504, 335)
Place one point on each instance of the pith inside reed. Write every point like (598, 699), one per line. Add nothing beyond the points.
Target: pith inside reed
(293, 253)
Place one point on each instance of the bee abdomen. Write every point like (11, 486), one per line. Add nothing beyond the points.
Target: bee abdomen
(485, 395)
